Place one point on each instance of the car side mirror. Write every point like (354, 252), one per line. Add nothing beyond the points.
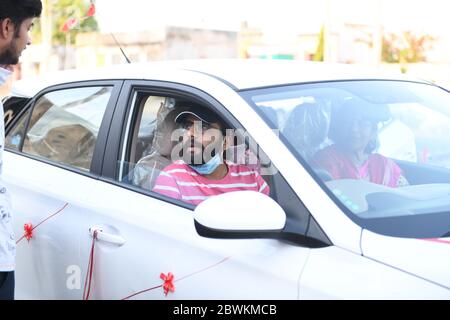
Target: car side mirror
(239, 215)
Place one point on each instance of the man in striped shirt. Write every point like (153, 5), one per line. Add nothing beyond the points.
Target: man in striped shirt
(201, 172)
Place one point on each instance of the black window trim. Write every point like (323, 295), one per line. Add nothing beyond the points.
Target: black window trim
(100, 145)
(17, 118)
(24, 109)
(119, 126)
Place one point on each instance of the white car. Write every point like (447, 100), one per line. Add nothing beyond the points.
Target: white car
(83, 149)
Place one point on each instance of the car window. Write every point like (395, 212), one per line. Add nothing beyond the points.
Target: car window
(14, 138)
(380, 148)
(154, 143)
(148, 141)
(63, 126)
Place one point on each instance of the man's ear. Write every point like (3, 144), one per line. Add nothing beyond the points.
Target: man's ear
(6, 28)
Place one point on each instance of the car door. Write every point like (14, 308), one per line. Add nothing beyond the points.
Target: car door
(147, 242)
(54, 150)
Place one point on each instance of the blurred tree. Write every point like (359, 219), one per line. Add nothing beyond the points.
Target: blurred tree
(389, 51)
(320, 51)
(77, 15)
(407, 48)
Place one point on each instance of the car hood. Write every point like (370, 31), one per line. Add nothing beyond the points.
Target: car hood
(428, 259)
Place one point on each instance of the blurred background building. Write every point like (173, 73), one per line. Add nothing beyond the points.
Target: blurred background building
(404, 36)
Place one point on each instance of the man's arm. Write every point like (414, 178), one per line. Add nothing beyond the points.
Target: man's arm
(263, 187)
(166, 185)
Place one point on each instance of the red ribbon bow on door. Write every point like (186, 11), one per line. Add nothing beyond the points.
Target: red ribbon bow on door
(28, 228)
(168, 282)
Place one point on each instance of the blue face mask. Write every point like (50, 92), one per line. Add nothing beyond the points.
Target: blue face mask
(208, 167)
(4, 75)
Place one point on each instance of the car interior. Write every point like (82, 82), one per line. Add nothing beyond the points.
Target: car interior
(306, 127)
(69, 139)
(152, 143)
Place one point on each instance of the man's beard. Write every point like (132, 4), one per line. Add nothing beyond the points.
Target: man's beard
(10, 56)
(197, 159)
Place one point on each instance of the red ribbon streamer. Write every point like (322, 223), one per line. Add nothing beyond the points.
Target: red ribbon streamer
(28, 227)
(438, 240)
(90, 269)
(179, 279)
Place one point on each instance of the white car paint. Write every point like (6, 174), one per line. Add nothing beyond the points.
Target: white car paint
(143, 237)
(242, 74)
(157, 240)
(429, 259)
(334, 273)
(243, 210)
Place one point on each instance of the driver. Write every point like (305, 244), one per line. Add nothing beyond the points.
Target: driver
(202, 171)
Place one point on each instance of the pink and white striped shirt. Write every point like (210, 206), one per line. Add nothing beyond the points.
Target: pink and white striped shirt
(180, 181)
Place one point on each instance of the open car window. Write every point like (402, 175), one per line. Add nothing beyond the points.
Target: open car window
(154, 143)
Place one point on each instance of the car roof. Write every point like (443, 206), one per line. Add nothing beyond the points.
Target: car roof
(240, 74)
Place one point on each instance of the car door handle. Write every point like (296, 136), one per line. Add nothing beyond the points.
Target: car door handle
(107, 237)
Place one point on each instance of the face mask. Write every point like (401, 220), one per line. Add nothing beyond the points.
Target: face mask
(4, 75)
(208, 167)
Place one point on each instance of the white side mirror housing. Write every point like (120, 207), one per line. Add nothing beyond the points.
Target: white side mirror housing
(239, 214)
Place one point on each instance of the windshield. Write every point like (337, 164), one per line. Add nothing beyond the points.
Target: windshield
(380, 149)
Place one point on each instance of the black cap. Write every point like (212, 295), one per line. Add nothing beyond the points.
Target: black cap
(200, 113)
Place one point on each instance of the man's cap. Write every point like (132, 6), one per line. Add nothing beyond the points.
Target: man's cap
(200, 113)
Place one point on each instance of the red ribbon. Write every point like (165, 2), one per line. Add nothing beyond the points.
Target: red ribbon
(90, 269)
(169, 279)
(438, 240)
(168, 285)
(28, 228)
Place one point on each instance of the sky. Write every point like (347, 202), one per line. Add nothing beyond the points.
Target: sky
(281, 17)
(215, 14)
